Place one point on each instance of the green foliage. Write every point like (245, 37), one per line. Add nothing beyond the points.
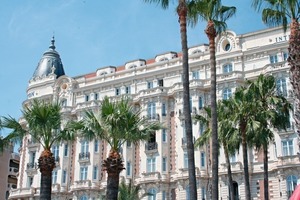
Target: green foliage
(278, 12)
(130, 192)
(210, 10)
(116, 122)
(43, 123)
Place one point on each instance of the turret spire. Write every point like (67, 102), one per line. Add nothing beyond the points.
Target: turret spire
(52, 46)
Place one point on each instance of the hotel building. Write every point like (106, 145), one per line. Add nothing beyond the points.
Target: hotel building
(155, 86)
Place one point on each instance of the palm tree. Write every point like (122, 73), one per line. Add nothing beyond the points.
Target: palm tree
(182, 14)
(216, 15)
(130, 192)
(43, 124)
(243, 108)
(115, 123)
(227, 135)
(273, 111)
(279, 12)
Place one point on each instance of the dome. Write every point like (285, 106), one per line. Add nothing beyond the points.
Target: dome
(50, 63)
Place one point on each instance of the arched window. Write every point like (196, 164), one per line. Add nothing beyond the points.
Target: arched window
(291, 183)
(153, 192)
(227, 68)
(227, 93)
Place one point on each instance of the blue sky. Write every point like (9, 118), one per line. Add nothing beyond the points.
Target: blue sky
(91, 34)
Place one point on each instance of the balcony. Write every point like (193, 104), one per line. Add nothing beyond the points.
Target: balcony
(235, 167)
(21, 193)
(151, 147)
(81, 185)
(32, 166)
(154, 117)
(288, 160)
(84, 157)
(148, 177)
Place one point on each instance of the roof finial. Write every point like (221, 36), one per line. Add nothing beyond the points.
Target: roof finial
(52, 46)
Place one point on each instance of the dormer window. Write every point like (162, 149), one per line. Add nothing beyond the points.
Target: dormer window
(163, 59)
(132, 66)
(103, 73)
(196, 51)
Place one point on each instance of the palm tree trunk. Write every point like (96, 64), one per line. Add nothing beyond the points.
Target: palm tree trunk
(113, 165)
(182, 13)
(229, 173)
(294, 62)
(46, 165)
(266, 176)
(211, 34)
(245, 161)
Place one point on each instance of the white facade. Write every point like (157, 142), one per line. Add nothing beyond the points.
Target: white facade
(160, 165)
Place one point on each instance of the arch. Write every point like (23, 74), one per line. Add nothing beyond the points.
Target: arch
(291, 183)
(153, 192)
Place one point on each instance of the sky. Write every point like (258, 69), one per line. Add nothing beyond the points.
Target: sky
(90, 34)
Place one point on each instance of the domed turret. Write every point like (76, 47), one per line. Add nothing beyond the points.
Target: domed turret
(50, 63)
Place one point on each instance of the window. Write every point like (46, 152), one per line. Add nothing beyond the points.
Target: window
(200, 103)
(96, 96)
(151, 164)
(164, 135)
(164, 164)
(203, 193)
(185, 160)
(32, 157)
(285, 56)
(29, 181)
(232, 158)
(83, 173)
(273, 59)
(150, 85)
(164, 195)
(84, 146)
(195, 74)
(128, 90)
(63, 102)
(151, 110)
(117, 91)
(153, 192)
(187, 192)
(202, 159)
(163, 110)
(201, 128)
(83, 197)
(128, 168)
(55, 151)
(160, 82)
(96, 146)
(287, 148)
(227, 93)
(64, 176)
(87, 97)
(291, 183)
(281, 87)
(54, 177)
(95, 172)
(66, 149)
(227, 68)
(128, 144)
